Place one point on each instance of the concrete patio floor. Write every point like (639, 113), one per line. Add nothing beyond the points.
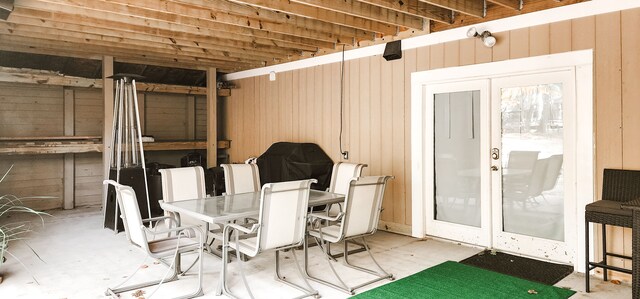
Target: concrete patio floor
(81, 260)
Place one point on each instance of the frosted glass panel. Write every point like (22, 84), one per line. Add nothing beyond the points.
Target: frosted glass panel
(532, 188)
(457, 157)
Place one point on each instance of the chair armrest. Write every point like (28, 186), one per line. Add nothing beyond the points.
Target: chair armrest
(195, 228)
(325, 217)
(241, 228)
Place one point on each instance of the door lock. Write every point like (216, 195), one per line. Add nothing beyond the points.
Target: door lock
(494, 168)
(495, 153)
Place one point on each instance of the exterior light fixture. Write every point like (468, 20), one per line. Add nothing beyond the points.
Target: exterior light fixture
(487, 39)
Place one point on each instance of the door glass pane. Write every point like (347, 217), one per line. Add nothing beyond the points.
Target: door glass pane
(457, 157)
(532, 188)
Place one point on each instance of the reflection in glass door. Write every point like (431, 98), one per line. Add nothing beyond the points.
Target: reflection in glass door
(532, 129)
(532, 137)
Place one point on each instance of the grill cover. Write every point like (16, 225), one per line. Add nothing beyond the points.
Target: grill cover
(287, 161)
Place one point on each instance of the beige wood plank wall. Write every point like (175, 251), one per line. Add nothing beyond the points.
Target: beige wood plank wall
(303, 105)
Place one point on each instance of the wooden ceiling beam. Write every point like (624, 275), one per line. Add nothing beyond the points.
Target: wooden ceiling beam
(194, 15)
(474, 8)
(78, 14)
(123, 48)
(134, 40)
(416, 8)
(513, 4)
(288, 8)
(368, 11)
(275, 15)
(241, 42)
(59, 48)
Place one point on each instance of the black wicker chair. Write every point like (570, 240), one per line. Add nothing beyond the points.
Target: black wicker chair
(618, 186)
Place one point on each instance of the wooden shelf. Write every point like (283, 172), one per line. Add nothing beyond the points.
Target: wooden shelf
(174, 145)
(50, 145)
(88, 144)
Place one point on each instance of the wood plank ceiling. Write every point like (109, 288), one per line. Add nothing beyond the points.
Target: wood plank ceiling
(231, 35)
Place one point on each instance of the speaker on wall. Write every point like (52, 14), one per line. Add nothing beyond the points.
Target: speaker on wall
(393, 50)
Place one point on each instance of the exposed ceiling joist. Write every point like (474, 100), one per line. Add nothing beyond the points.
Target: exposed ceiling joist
(368, 11)
(416, 8)
(297, 9)
(513, 4)
(474, 8)
(232, 34)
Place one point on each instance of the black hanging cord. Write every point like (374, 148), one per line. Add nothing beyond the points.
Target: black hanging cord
(341, 97)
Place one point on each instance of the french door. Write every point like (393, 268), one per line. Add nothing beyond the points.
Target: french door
(498, 149)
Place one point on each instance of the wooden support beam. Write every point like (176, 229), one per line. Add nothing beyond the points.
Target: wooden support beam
(34, 18)
(77, 13)
(162, 44)
(416, 8)
(191, 117)
(234, 14)
(60, 48)
(368, 11)
(297, 9)
(14, 75)
(107, 126)
(69, 177)
(474, 8)
(212, 119)
(513, 4)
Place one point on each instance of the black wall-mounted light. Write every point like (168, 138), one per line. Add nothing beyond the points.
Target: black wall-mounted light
(487, 39)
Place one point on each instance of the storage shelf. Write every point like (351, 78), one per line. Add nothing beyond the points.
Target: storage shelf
(50, 145)
(88, 144)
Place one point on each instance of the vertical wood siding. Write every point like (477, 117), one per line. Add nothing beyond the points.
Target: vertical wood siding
(377, 103)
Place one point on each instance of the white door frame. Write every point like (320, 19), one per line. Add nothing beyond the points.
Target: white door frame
(581, 61)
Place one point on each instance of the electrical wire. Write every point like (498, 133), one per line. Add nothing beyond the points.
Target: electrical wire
(341, 98)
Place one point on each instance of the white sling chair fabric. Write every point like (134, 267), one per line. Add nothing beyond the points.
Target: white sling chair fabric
(281, 225)
(160, 248)
(241, 178)
(182, 184)
(341, 175)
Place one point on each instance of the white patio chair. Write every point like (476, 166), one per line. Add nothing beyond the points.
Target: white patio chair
(187, 183)
(241, 178)
(281, 225)
(158, 248)
(341, 175)
(362, 207)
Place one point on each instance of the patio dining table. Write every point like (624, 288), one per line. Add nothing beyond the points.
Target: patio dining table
(224, 208)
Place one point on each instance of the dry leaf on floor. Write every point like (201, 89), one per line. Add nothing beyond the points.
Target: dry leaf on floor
(533, 292)
(144, 266)
(615, 281)
(156, 263)
(138, 293)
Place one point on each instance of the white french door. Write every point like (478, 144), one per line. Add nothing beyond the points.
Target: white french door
(495, 155)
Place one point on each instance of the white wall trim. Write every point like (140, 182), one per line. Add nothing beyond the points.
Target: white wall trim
(569, 12)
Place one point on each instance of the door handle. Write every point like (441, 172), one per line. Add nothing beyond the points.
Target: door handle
(495, 153)
(494, 168)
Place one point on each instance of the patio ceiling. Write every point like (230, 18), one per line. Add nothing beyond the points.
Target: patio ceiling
(231, 35)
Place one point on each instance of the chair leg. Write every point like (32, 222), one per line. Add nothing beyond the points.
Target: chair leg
(382, 274)
(604, 250)
(586, 257)
(343, 287)
(308, 290)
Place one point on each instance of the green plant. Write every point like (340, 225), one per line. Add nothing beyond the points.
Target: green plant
(11, 231)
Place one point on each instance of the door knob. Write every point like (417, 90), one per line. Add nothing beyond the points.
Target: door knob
(494, 168)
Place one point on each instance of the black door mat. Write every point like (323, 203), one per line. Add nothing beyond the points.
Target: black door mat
(530, 269)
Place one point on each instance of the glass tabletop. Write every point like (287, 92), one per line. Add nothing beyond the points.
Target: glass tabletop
(225, 208)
